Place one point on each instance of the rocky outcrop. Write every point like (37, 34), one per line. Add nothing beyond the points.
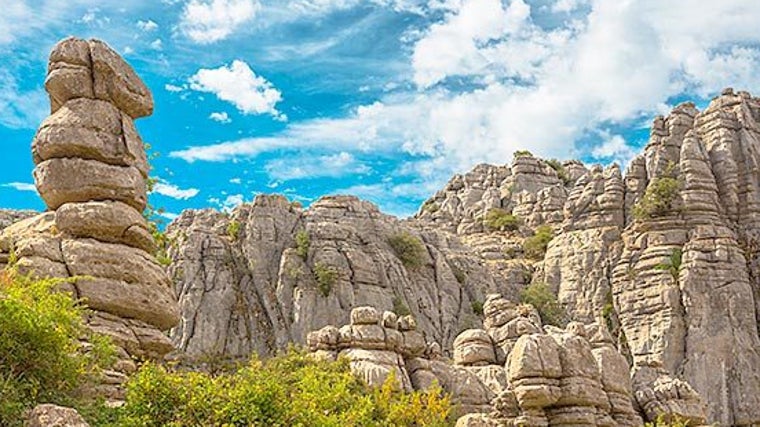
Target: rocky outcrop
(54, 416)
(91, 170)
(271, 272)
(9, 216)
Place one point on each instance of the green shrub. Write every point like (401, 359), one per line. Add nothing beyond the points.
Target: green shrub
(523, 153)
(41, 358)
(399, 307)
(663, 421)
(477, 307)
(534, 247)
(409, 249)
(233, 229)
(326, 277)
(560, 169)
(543, 299)
(302, 244)
(289, 390)
(672, 264)
(430, 206)
(499, 219)
(657, 199)
(459, 274)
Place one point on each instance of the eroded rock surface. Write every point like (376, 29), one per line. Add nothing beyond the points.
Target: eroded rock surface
(91, 170)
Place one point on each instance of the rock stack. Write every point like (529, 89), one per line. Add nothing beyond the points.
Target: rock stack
(91, 171)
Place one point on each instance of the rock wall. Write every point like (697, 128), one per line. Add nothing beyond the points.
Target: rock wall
(91, 171)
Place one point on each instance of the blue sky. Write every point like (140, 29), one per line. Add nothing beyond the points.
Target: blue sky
(385, 99)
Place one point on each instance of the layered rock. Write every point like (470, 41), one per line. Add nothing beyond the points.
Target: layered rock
(246, 285)
(91, 171)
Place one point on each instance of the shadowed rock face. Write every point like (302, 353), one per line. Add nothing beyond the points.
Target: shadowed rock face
(90, 170)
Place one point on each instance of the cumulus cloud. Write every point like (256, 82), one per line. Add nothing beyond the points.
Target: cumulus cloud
(209, 21)
(168, 189)
(334, 165)
(230, 202)
(20, 108)
(148, 25)
(239, 85)
(221, 117)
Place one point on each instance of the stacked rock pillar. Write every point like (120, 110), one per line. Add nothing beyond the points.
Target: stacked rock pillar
(91, 171)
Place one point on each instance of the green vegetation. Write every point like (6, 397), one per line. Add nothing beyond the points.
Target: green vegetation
(540, 296)
(154, 217)
(608, 311)
(233, 229)
(662, 421)
(499, 219)
(534, 247)
(288, 390)
(560, 169)
(477, 307)
(409, 249)
(41, 358)
(672, 264)
(399, 307)
(459, 274)
(523, 153)
(326, 277)
(658, 198)
(302, 244)
(430, 206)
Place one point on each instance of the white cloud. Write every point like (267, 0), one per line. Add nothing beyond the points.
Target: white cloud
(167, 189)
(128, 50)
(169, 215)
(307, 166)
(173, 88)
(148, 25)
(239, 85)
(221, 117)
(614, 149)
(230, 202)
(21, 108)
(157, 44)
(209, 21)
(20, 186)
(235, 181)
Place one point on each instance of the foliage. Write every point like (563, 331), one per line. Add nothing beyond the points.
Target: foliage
(560, 169)
(657, 199)
(41, 358)
(543, 299)
(289, 390)
(534, 247)
(499, 219)
(399, 307)
(608, 311)
(672, 264)
(662, 421)
(153, 216)
(430, 206)
(302, 244)
(408, 248)
(459, 274)
(523, 153)
(233, 229)
(326, 276)
(477, 307)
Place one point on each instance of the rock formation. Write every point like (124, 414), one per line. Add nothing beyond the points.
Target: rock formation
(91, 171)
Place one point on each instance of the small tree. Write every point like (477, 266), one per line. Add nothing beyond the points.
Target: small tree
(672, 264)
(499, 219)
(534, 247)
(233, 229)
(326, 277)
(657, 199)
(543, 299)
(302, 244)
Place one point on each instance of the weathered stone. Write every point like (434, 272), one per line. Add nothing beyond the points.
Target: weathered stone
(47, 415)
(474, 347)
(110, 222)
(115, 81)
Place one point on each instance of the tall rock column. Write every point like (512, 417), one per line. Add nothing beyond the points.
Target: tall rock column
(91, 170)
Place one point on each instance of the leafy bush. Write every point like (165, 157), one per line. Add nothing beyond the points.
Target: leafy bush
(560, 169)
(289, 390)
(543, 299)
(409, 249)
(430, 206)
(41, 359)
(399, 307)
(523, 153)
(302, 244)
(326, 276)
(657, 199)
(477, 307)
(499, 219)
(233, 229)
(534, 247)
(673, 264)
(662, 421)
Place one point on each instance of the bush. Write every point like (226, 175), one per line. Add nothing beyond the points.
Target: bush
(657, 199)
(560, 169)
(430, 206)
(409, 249)
(41, 359)
(499, 219)
(233, 229)
(523, 153)
(289, 390)
(673, 264)
(543, 299)
(399, 307)
(326, 276)
(534, 247)
(302, 244)
(459, 274)
(662, 421)
(477, 307)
